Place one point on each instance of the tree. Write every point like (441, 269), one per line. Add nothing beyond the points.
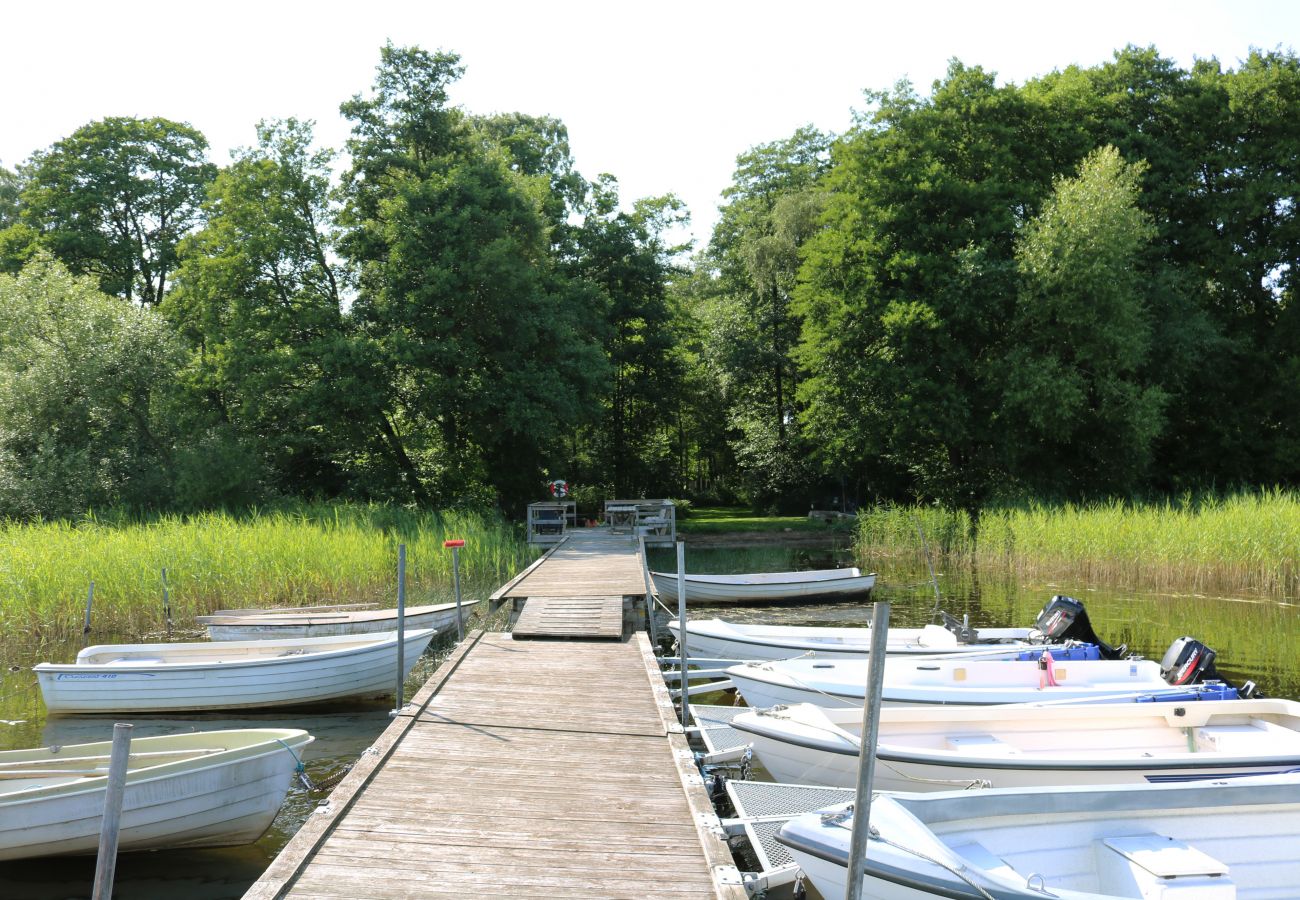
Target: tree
(623, 259)
(1082, 418)
(907, 290)
(115, 198)
(85, 397)
(261, 300)
(487, 348)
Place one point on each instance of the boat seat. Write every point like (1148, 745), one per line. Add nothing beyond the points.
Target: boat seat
(137, 661)
(1258, 736)
(1155, 865)
(980, 745)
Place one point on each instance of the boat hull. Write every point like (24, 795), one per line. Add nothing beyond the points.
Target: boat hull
(367, 671)
(713, 639)
(281, 626)
(221, 802)
(710, 590)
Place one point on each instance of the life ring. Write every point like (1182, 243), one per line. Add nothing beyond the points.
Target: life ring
(559, 488)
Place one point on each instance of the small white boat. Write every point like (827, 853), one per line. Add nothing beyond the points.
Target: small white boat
(1061, 620)
(765, 586)
(1078, 676)
(325, 621)
(1215, 840)
(226, 675)
(201, 789)
(942, 748)
(719, 639)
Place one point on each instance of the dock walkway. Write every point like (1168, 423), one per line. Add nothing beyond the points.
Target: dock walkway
(520, 769)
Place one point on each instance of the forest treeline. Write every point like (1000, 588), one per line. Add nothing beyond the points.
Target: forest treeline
(1082, 286)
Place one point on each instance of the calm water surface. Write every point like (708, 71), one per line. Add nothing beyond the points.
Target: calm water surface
(1253, 637)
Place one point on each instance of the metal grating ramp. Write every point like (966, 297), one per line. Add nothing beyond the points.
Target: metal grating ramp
(770, 805)
(716, 732)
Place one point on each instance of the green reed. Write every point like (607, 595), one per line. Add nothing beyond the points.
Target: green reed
(1248, 542)
(304, 555)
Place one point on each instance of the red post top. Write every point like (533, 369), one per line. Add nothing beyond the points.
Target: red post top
(455, 543)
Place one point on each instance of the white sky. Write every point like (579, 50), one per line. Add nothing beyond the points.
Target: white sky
(663, 95)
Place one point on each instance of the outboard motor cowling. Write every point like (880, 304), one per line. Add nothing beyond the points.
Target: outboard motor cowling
(1188, 661)
(1065, 619)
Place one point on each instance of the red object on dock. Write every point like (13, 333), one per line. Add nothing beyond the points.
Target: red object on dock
(455, 543)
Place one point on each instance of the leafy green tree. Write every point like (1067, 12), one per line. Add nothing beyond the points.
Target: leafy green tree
(85, 397)
(773, 207)
(1080, 415)
(625, 261)
(115, 198)
(484, 343)
(261, 299)
(907, 290)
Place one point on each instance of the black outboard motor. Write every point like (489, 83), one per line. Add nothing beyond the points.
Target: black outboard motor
(1065, 619)
(1188, 661)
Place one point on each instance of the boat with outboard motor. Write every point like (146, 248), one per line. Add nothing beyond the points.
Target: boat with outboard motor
(936, 748)
(1061, 620)
(1073, 674)
(1202, 840)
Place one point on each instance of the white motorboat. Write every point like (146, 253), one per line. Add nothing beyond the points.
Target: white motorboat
(1073, 675)
(719, 639)
(226, 675)
(765, 586)
(1203, 840)
(939, 748)
(325, 621)
(200, 789)
(1063, 619)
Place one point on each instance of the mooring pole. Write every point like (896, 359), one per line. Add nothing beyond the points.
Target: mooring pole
(455, 546)
(867, 749)
(401, 626)
(85, 628)
(167, 604)
(106, 864)
(681, 631)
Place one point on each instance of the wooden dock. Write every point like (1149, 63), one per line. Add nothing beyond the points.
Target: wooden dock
(522, 769)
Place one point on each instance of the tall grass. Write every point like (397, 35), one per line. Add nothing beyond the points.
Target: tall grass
(1247, 542)
(312, 554)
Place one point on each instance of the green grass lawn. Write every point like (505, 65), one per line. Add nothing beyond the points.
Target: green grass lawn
(724, 519)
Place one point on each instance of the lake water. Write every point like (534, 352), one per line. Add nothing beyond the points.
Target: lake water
(1253, 637)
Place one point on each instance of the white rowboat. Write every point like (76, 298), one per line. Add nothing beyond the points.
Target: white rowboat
(226, 675)
(1215, 840)
(202, 789)
(718, 639)
(765, 586)
(911, 682)
(308, 622)
(942, 748)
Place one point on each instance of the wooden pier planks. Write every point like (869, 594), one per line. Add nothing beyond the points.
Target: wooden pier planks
(522, 769)
(594, 564)
(570, 617)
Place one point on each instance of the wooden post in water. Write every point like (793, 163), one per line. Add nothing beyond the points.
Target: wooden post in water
(455, 546)
(401, 626)
(167, 604)
(681, 631)
(85, 628)
(106, 864)
(867, 749)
